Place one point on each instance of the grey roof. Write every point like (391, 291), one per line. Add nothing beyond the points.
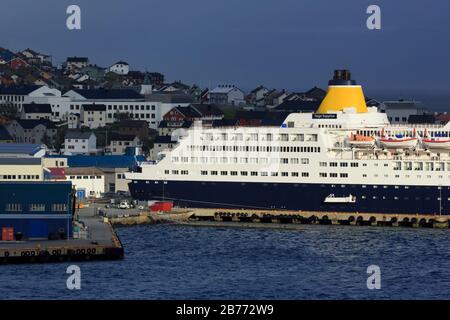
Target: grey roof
(78, 135)
(77, 59)
(18, 90)
(169, 97)
(207, 109)
(121, 137)
(31, 123)
(37, 108)
(402, 104)
(298, 106)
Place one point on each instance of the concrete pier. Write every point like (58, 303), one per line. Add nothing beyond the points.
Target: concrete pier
(102, 244)
(324, 218)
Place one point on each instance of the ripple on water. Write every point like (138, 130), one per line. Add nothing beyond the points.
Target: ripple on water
(317, 262)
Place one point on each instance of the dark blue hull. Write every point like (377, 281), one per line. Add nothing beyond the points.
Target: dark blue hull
(290, 196)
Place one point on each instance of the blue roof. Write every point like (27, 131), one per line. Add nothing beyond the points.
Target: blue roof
(20, 148)
(110, 161)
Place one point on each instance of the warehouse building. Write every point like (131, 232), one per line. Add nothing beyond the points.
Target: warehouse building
(36, 210)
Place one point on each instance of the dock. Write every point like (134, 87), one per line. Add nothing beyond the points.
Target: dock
(323, 218)
(102, 243)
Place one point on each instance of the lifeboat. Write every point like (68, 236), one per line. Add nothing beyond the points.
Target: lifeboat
(358, 140)
(399, 142)
(437, 143)
(333, 199)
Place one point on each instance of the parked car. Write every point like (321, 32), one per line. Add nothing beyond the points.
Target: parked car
(124, 205)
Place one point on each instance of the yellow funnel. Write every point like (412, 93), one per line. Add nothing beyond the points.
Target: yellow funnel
(343, 93)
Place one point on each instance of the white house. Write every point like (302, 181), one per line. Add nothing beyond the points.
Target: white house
(120, 67)
(36, 111)
(76, 142)
(89, 182)
(73, 121)
(93, 116)
(226, 94)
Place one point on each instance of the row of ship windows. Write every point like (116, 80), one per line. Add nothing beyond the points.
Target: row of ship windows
(240, 160)
(260, 137)
(256, 173)
(420, 166)
(15, 207)
(253, 148)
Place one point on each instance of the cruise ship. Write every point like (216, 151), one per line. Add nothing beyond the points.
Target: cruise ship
(345, 157)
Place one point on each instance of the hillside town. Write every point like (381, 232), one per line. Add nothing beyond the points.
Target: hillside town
(90, 124)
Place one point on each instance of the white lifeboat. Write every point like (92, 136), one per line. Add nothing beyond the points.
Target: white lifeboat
(399, 142)
(361, 141)
(437, 143)
(333, 199)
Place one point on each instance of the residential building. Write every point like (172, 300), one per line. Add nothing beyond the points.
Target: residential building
(94, 72)
(93, 116)
(193, 112)
(134, 127)
(167, 128)
(119, 143)
(36, 111)
(73, 121)
(33, 131)
(226, 94)
(76, 63)
(256, 96)
(160, 144)
(400, 111)
(274, 98)
(77, 142)
(120, 67)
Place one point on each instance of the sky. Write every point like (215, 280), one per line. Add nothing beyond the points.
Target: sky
(293, 44)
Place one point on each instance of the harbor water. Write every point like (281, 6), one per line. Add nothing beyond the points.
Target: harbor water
(315, 262)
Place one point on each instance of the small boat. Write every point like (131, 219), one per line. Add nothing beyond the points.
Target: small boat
(399, 142)
(437, 143)
(333, 199)
(358, 140)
